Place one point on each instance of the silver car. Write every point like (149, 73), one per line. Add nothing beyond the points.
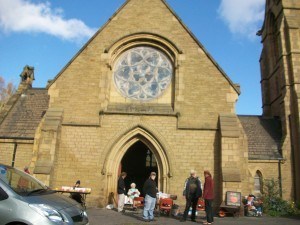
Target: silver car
(26, 201)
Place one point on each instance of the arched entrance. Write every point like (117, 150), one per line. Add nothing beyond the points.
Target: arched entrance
(123, 143)
(138, 162)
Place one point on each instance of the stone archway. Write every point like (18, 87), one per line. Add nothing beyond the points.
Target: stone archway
(119, 148)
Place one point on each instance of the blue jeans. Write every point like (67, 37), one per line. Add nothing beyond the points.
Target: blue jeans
(149, 206)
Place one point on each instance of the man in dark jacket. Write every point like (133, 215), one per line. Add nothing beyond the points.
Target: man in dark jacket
(121, 191)
(192, 192)
(150, 191)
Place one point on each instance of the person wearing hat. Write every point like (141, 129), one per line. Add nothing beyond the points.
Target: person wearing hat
(192, 192)
(150, 191)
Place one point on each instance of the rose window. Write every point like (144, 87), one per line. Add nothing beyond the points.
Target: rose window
(142, 73)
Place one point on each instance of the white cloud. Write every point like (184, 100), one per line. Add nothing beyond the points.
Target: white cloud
(25, 16)
(244, 17)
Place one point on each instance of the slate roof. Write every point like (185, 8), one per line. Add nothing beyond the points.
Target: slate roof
(25, 115)
(264, 137)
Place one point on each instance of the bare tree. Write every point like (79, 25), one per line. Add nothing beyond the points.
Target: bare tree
(6, 90)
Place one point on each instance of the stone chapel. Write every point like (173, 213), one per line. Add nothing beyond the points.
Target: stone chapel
(143, 95)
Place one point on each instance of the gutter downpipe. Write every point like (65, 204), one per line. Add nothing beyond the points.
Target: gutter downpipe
(14, 154)
(280, 161)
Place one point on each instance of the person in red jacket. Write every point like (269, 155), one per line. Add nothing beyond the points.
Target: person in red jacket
(26, 169)
(208, 195)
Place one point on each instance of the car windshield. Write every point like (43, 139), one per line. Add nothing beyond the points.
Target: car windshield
(21, 182)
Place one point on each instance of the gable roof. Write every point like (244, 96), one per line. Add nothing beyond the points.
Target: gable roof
(264, 137)
(235, 87)
(25, 115)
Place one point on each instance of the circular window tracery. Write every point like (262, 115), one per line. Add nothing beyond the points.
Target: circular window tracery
(142, 73)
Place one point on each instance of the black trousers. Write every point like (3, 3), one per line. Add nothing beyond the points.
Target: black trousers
(77, 197)
(190, 201)
(209, 210)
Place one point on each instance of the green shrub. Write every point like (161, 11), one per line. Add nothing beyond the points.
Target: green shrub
(274, 205)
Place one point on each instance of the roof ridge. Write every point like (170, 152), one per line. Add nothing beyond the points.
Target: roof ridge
(235, 87)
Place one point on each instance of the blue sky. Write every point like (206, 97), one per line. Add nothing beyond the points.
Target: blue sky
(47, 34)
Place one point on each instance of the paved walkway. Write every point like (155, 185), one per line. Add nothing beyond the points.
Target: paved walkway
(111, 217)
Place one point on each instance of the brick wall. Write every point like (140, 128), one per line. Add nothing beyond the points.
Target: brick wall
(83, 150)
(23, 153)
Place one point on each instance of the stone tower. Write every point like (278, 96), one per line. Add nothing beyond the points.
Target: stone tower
(280, 83)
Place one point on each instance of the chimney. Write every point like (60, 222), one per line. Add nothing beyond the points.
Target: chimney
(27, 77)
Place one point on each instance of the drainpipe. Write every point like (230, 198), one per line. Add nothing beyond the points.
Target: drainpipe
(14, 155)
(280, 161)
(293, 160)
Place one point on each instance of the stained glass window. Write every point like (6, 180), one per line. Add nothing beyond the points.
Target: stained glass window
(142, 73)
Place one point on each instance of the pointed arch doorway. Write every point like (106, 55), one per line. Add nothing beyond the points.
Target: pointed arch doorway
(124, 143)
(138, 162)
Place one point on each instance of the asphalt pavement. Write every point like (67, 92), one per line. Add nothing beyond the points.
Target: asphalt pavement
(99, 216)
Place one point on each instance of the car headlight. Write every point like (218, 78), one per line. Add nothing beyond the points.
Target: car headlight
(49, 212)
(84, 214)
